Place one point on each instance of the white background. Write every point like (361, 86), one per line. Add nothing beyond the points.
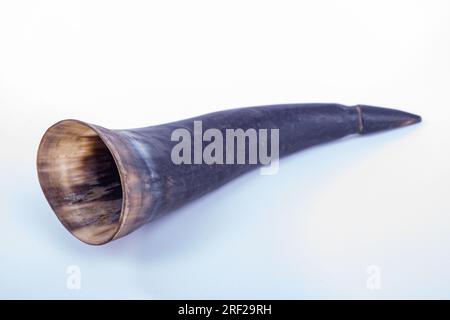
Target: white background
(312, 230)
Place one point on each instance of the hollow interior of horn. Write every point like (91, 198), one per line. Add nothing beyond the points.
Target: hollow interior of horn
(80, 180)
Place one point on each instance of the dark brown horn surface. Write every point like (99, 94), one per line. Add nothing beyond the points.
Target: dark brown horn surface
(103, 184)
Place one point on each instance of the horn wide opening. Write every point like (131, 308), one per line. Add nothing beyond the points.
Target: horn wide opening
(81, 181)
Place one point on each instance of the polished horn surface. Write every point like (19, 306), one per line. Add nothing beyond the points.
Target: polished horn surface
(103, 184)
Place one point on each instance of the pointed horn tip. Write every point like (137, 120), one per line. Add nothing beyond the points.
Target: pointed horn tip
(374, 119)
(411, 119)
(414, 119)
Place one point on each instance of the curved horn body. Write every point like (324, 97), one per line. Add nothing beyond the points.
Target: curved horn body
(103, 184)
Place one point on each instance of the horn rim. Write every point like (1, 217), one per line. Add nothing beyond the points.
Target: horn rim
(120, 169)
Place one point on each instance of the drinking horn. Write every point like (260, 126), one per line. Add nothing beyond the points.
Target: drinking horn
(103, 184)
